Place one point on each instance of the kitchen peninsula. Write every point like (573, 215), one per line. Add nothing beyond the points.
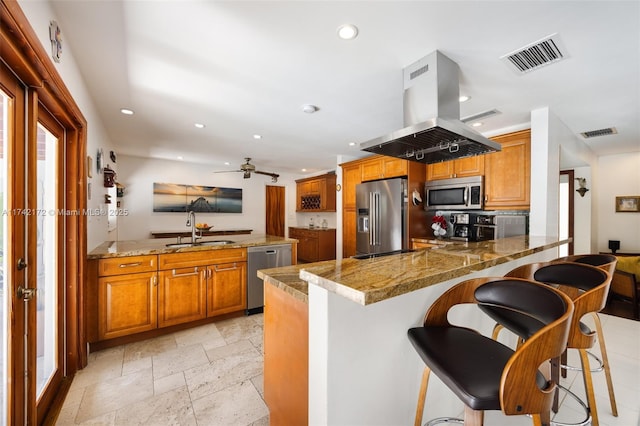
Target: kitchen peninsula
(141, 288)
(344, 325)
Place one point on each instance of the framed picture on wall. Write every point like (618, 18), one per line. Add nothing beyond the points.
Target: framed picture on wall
(628, 204)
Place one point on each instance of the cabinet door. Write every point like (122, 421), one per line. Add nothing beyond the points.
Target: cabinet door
(126, 304)
(227, 288)
(443, 170)
(308, 248)
(348, 233)
(351, 176)
(470, 166)
(394, 167)
(508, 173)
(372, 170)
(182, 295)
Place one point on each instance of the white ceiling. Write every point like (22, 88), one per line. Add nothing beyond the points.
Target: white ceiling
(245, 68)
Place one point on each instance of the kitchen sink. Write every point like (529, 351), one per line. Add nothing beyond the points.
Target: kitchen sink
(215, 243)
(201, 243)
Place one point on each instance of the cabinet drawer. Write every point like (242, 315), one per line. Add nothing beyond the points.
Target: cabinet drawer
(302, 233)
(198, 258)
(127, 265)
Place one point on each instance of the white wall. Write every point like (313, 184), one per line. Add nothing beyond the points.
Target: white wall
(138, 175)
(39, 13)
(554, 147)
(619, 175)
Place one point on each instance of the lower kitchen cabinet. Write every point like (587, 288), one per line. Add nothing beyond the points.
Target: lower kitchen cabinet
(127, 304)
(226, 288)
(135, 294)
(182, 295)
(314, 245)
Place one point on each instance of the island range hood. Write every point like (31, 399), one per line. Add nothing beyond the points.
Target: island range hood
(433, 131)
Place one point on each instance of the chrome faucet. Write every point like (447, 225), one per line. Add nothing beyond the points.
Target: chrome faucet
(191, 221)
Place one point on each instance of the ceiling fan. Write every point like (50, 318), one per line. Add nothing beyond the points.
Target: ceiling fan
(247, 168)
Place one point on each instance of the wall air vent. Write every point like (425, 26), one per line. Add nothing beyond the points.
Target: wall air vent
(536, 55)
(480, 116)
(600, 132)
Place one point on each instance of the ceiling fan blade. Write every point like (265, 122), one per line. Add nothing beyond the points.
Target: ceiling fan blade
(274, 176)
(227, 171)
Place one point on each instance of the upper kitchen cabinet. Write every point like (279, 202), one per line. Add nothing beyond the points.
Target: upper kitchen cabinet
(507, 181)
(316, 194)
(383, 167)
(463, 167)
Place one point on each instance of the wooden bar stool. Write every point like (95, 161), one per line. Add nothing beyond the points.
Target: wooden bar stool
(608, 263)
(483, 373)
(587, 286)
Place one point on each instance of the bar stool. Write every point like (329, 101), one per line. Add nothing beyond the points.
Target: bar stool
(483, 373)
(607, 262)
(588, 287)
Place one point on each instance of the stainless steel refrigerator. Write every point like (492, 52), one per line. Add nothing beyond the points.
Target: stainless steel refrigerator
(382, 216)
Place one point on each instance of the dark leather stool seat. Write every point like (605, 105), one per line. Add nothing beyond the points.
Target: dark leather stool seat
(483, 373)
(587, 286)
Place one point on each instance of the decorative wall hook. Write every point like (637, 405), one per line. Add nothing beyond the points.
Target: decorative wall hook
(582, 183)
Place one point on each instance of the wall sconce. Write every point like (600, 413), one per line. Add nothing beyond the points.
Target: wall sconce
(582, 183)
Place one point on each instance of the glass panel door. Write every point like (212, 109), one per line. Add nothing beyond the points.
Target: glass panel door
(48, 297)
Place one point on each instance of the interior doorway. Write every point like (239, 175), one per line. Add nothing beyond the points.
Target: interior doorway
(274, 215)
(566, 211)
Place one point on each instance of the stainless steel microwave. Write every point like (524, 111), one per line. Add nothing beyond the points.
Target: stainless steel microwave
(455, 194)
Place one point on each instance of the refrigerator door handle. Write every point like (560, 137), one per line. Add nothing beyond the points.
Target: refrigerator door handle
(375, 228)
(466, 195)
(372, 218)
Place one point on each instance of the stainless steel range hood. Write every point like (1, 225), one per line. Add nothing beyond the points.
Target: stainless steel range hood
(433, 131)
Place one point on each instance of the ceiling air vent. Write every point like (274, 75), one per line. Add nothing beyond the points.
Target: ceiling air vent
(600, 132)
(480, 116)
(536, 55)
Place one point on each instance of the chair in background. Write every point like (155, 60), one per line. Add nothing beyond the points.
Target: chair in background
(588, 287)
(483, 373)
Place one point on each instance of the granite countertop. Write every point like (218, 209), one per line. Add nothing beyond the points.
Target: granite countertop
(159, 245)
(373, 280)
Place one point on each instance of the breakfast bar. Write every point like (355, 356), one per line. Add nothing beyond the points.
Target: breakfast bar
(361, 368)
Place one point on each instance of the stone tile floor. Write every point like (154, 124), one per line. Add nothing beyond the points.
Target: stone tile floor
(209, 375)
(212, 375)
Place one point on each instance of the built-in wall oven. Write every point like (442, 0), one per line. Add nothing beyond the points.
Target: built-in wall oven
(455, 194)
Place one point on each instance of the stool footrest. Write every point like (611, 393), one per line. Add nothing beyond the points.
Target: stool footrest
(443, 420)
(597, 369)
(585, 422)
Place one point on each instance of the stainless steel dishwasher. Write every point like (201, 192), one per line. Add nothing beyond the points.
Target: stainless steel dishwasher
(263, 257)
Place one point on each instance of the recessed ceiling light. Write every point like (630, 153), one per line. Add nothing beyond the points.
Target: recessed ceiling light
(126, 111)
(347, 32)
(477, 124)
(309, 109)
(226, 163)
(179, 157)
(257, 136)
(352, 144)
(199, 125)
(464, 98)
(303, 170)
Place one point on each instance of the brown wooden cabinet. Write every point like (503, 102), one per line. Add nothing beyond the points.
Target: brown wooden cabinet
(181, 296)
(226, 288)
(221, 277)
(314, 245)
(382, 167)
(316, 194)
(507, 182)
(463, 167)
(127, 296)
(135, 294)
